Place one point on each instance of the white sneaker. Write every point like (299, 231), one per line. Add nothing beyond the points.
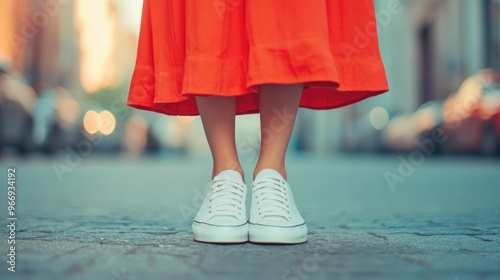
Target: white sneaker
(222, 217)
(274, 217)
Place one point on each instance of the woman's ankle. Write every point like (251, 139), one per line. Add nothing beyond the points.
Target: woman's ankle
(219, 168)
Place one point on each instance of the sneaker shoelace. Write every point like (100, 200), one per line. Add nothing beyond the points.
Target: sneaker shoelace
(226, 197)
(272, 199)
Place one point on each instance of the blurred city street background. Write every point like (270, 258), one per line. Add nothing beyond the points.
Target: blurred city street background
(403, 185)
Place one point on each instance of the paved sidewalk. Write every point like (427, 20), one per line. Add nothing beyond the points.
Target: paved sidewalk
(119, 218)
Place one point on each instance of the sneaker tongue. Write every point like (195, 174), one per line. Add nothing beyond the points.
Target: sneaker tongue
(267, 173)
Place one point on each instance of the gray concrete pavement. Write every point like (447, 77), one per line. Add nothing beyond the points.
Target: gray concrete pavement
(122, 218)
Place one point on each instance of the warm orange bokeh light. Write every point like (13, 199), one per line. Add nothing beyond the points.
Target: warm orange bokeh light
(103, 122)
(92, 121)
(108, 122)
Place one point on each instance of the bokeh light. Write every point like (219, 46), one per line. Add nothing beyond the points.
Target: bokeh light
(379, 117)
(92, 121)
(108, 122)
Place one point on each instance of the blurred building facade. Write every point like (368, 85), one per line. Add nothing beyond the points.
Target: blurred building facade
(41, 41)
(438, 43)
(60, 43)
(492, 14)
(429, 47)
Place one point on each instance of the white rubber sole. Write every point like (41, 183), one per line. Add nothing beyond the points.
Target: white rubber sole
(277, 235)
(220, 234)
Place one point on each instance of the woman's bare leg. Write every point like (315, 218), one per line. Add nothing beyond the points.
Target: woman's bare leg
(218, 118)
(278, 106)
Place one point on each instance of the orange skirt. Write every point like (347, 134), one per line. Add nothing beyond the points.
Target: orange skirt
(191, 48)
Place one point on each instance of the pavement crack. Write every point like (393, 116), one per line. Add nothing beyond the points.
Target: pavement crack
(37, 238)
(426, 234)
(378, 235)
(480, 238)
